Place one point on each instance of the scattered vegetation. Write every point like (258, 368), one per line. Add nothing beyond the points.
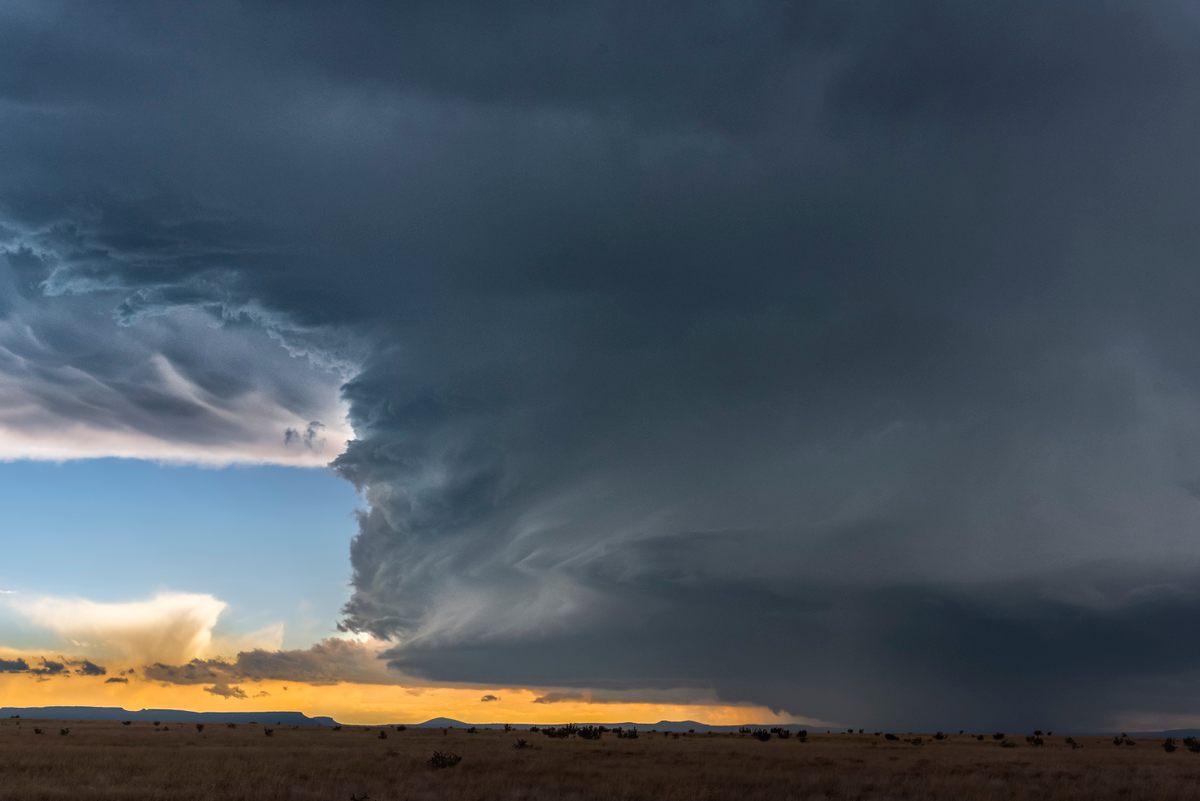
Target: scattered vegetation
(315, 764)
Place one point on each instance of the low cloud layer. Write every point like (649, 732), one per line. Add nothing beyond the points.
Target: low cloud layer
(327, 662)
(44, 667)
(838, 357)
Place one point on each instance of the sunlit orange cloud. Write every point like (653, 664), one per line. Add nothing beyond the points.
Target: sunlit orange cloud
(367, 703)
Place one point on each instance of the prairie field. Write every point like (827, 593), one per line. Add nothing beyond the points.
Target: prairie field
(108, 760)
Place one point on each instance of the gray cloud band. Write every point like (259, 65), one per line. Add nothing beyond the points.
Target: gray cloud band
(833, 356)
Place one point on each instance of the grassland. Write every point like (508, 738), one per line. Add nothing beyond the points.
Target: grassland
(112, 761)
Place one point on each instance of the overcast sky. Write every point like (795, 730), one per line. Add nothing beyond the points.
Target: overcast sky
(838, 358)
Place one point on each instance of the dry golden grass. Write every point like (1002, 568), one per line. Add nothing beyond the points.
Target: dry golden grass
(111, 761)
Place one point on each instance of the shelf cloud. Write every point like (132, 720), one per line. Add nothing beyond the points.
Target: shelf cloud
(837, 357)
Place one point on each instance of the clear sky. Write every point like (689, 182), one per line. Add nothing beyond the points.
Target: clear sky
(268, 540)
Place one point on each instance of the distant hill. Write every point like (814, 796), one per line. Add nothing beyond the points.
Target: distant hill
(164, 715)
(662, 725)
(300, 719)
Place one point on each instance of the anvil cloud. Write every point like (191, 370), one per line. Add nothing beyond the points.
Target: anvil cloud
(837, 356)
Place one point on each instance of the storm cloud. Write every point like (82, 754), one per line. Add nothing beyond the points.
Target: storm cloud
(326, 662)
(839, 357)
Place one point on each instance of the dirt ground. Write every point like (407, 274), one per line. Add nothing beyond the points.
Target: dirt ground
(112, 761)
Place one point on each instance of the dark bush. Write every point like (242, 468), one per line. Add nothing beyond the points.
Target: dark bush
(890, 736)
(200, 727)
(521, 744)
(1169, 745)
(444, 760)
(998, 735)
(761, 735)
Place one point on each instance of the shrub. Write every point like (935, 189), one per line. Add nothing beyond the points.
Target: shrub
(890, 736)
(1169, 745)
(628, 734)
(64, 732)
(269, 732)
(802, 736)
(200, 727)
(762, 735)
(382, 734)
(998, 735)
(521, 744)
(444, 760)
(588, 733)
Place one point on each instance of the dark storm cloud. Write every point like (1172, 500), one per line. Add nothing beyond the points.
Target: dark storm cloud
(116, 680)
(87, 668)
(50, 667)
(325, 662)
(839, 357)
(226, 691)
